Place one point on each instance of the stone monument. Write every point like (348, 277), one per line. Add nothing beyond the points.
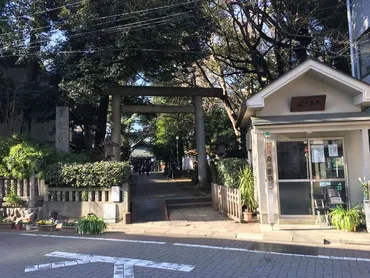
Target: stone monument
(62, 128)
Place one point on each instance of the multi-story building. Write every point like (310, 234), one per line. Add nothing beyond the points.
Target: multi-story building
(359, 32)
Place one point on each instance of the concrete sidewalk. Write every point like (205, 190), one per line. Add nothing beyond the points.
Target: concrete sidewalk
(205, 222)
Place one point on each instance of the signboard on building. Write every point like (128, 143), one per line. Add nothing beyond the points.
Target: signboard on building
(269, 165)
(310, 103)
(115, 190)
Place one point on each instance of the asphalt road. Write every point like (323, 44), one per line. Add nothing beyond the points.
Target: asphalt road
(118, 255)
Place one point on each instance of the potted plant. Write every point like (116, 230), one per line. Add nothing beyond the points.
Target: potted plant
(46, 225)
(91, 225)
(69, 225)
(28, 224)
(19, 225)
(346, 220)
(6, 223)
(246, 187)
(365, 187)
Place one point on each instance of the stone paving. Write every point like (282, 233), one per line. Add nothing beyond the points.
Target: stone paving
(208, 257)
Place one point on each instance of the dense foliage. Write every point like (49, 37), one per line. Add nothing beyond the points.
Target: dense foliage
(228, 171)
(20, 158)
(98, 174)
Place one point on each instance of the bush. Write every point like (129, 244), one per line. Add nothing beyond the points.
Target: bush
(98, 174)
(228, 171)
(20, 158)
(12, 200)
(91, 225)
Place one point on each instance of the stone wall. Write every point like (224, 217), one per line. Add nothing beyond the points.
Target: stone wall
(74, 203)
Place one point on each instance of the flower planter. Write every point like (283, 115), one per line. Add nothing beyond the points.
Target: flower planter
(367, 214)
(68, 228)
(28, 227)
(7, 225)
(47, 228)
(19, 227)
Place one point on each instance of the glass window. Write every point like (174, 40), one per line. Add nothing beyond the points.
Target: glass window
(295, 198)
(292, 160)
(327, 159)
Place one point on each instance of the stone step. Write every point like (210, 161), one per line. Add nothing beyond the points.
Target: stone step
(188, 200)
(189, 205)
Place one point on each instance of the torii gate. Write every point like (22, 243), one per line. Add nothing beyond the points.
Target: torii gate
(197, 93)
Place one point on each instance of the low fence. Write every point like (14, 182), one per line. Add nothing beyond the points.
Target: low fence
(70, 203)
(28, 189)
(227, 201)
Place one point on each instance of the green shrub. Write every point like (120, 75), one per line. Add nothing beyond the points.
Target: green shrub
(228, 171)
(91, 225)
(20, 158)
(98, 174)
(12, 200)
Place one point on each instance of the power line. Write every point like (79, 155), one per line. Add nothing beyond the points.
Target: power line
(115, 29)
(42, 12)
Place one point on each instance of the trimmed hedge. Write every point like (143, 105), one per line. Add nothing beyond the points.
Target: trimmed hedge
(228, 171)
(98, 174)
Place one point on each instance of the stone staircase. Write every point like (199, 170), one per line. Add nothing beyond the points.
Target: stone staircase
(189, 202)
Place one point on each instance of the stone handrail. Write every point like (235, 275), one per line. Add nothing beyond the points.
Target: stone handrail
(28, 189)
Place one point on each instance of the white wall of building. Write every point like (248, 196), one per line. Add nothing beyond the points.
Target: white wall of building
(279, 102)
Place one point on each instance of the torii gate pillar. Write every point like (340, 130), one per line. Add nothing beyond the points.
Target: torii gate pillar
(116, 132)
(200, 138)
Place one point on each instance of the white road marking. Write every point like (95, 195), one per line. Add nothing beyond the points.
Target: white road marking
(201, 246)
(212, 247)
(123, 267)
(96, 238)
(53, 265)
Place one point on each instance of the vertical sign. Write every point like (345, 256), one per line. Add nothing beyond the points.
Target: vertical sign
(115, 190)
(269, 182)
(269, 167)
(62, 128)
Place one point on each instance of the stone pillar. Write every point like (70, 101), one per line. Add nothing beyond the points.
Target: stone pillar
(116, 128)
(201, 142)
(2, 189)
(62, 128)
(32, 188)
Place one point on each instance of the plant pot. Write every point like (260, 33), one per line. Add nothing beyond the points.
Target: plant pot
(28, 227)
(7, 225)
(19, 227)
(247, 216)
(47, 228)
(367, 214)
